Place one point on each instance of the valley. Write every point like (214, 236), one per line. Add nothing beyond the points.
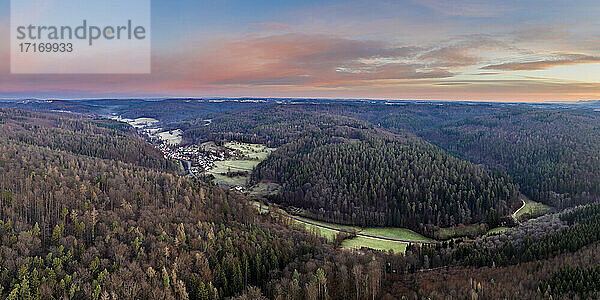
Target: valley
(291, 192)
(233, 164)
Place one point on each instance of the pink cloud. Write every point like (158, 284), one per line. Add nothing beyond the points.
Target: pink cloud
(303, 59)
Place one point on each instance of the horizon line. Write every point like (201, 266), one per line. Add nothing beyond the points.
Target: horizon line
(381, 100)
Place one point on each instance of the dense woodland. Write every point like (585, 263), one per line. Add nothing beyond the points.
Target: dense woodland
(273, 125)
(553, 155)
(98, 138)
(522, 281)
(550, 155)
(173, 110)
(580, 227)
(549, 151)
(384, 182)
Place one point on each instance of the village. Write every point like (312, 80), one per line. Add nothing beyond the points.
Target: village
(198, 159)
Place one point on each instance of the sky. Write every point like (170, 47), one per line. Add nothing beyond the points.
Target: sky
(526, 50)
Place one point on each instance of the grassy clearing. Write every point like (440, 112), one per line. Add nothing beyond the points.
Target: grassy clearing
(533, 208)
(222, 167)
(246, 157)
(367, 242)
(497, 230)
(173, 137)
(324, 232)
(329, 234)
(250, 151)
(359, 242)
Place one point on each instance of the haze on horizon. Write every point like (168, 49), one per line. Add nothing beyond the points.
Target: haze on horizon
(409, 49)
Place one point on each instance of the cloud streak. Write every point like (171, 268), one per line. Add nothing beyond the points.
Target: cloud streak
(569, 59)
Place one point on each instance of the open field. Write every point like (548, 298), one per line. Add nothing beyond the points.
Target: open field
(395, 233)
(246, 158)
(250, 151)
(327, 230)
(378, 244)
(359, 242)
(173, 137)
(532, 208)
(234, 166)
(138, 123)
(332, 225)
(373, 238)
(327, 233)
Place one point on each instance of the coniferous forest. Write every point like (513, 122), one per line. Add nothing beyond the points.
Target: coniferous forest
(378, 182)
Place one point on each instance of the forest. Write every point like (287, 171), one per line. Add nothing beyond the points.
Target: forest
(552, 155)
(344, 170)
(384, 182)
(89, 210)
(76, 225)
(551, 152)
(273, 125)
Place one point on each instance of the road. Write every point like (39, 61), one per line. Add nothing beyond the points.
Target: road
(514, 215)
(383, 238)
